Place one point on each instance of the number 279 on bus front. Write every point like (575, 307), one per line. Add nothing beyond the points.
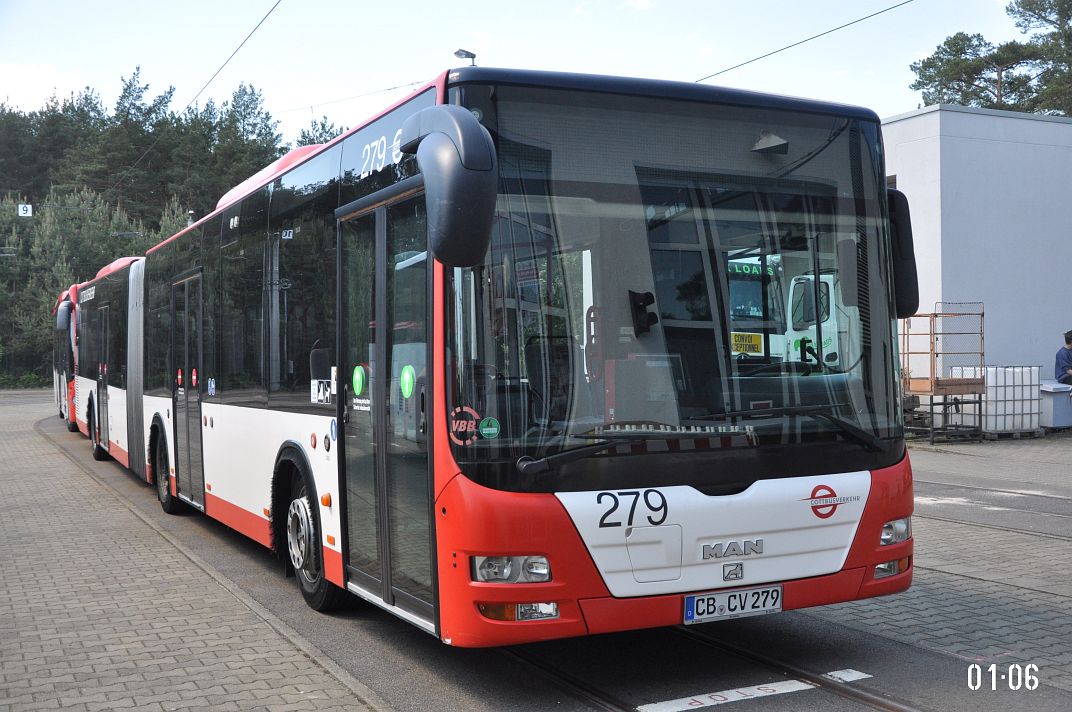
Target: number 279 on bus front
(622, 507)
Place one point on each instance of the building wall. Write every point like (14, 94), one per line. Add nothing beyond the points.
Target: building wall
(994, 191)
(912, 155)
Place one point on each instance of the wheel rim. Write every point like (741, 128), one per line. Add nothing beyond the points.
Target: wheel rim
(161, 477)
(299, 529)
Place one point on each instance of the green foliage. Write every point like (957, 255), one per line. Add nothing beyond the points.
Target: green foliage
(23, 380)
(67, 240)
(103, 185)
(1033, 76)
(1053, 21)
(968, 70)
(320, 131)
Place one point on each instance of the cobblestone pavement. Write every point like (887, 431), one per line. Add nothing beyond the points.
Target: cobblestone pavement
(984, 593)
(1033, 462)
(99, 612)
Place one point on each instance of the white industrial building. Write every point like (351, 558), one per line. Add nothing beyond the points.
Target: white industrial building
(991, 200)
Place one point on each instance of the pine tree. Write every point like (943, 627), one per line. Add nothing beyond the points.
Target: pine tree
(320, 131)
(1035, 75)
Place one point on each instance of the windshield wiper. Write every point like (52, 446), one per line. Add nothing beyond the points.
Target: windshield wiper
(531, 466)
(824, 413)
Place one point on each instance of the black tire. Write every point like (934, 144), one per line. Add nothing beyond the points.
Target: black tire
(162, 480)
(99, 453)
(305, 549)
(72, 425)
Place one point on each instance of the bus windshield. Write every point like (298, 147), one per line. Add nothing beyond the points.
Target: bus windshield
(677, 280)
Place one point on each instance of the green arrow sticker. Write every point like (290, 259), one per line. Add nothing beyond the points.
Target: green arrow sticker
(407, 380)
(359, 380)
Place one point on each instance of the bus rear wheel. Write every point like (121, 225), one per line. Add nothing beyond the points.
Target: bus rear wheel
(161, 477)
(304, 548)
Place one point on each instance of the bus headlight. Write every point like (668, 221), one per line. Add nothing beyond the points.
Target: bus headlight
(510, 569)
(896, 531)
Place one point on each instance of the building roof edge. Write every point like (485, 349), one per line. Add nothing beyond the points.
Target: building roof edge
(955, 109)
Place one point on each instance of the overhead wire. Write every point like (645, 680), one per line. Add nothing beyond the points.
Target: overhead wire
(199, 93)
(808, 39)
(348, 98)
(402, 86)
(721, 71)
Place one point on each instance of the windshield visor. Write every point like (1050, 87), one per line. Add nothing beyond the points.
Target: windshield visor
(691, 279)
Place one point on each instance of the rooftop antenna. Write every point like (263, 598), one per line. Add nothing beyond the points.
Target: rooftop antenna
(466, 54)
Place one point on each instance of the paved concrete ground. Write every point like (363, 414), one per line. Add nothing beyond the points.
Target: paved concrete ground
(100, 608)
(99, 611)
(983, 591)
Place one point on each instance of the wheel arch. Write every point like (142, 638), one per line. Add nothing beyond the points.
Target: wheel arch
(91, 410)
(289, 460)
(157, 430)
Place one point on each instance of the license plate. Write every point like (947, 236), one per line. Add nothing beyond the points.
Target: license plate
(719, 605)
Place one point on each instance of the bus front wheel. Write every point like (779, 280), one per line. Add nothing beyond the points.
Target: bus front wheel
(99, 453)
(304, 548)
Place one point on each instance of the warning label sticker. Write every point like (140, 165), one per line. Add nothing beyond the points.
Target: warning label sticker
(747, 343)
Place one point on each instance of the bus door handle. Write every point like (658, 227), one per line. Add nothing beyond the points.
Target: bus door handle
(422, 421)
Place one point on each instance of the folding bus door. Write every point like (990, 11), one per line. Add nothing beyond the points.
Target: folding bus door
(385, 396)
(186, 345)
(103, 355)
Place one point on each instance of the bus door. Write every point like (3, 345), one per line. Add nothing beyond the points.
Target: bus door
(186, 345)
(104, 340)
(385, 399)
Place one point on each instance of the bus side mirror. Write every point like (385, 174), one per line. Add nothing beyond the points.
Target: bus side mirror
(905, 280)
(457, 159)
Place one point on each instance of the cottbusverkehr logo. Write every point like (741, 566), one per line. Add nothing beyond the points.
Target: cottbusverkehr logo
(824, 501)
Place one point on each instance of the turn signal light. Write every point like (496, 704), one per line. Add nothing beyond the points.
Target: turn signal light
(498, 611)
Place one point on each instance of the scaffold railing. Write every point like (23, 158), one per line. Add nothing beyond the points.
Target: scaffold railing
(942, 353)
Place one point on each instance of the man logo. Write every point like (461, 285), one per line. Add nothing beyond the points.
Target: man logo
(733, 572)
(722, 550)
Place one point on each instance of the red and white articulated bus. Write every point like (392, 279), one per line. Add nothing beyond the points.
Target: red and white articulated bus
(107, 394)
(64, 356)
(475, 361)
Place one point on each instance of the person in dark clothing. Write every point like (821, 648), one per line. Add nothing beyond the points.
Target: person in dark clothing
(1063, 362)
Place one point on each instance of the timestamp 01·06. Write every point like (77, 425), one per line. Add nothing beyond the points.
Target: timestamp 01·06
(1017, 677)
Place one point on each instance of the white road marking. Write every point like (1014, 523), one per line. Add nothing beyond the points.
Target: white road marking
(961, 501)
(710, 699)
(848, 675)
